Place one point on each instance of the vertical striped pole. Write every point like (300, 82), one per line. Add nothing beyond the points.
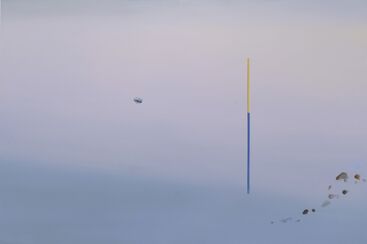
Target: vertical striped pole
(248, 126)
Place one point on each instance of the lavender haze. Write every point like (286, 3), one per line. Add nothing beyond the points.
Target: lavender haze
(81, 162)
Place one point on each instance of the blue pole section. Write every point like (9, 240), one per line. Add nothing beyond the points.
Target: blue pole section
(248, 153)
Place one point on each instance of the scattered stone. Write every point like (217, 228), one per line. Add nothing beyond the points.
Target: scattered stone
(325, 203)
(286, 220)
(332, 196)
(342, 176)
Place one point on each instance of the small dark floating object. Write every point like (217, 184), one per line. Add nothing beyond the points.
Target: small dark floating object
(357, 177)
(138, 100)
(329, 187)
(345, 192)
(313, 210)
(342, 176)
(305, 212)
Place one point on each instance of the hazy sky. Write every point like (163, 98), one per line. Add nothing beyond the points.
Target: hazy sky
(80, 162)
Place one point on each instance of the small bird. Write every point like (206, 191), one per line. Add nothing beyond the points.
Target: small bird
(138, 100)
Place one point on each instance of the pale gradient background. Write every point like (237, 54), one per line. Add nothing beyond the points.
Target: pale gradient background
(81, 163)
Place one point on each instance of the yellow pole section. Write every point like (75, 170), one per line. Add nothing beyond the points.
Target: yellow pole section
(248, 85)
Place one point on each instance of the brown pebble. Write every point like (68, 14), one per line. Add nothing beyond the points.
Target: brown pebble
(342, 176)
